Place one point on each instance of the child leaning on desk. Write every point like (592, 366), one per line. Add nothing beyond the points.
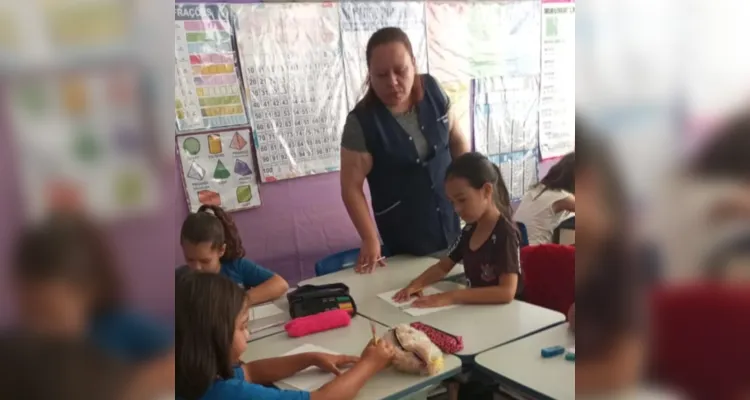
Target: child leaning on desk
(211, 335)
(488, 245)
(211, 243)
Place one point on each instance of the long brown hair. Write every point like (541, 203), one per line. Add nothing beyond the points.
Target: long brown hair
(206, 309)
(213, 224)
(387, 36)
(561, 176)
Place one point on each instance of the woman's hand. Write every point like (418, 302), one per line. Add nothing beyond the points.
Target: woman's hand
(332, 363)
(407, 293)
(369, 257)
(379, 354)
(435, 300)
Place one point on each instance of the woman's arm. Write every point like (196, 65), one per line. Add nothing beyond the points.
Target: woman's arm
(458, 142)
(271, 289)
(433, 274)
(354, 169)
(503, 293)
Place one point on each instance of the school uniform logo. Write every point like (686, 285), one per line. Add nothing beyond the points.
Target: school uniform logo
(488, 273)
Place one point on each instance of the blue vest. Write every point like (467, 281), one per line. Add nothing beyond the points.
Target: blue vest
(412, 212)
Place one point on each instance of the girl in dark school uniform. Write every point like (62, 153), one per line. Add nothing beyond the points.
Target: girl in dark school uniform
(488, 245)
(211, 243)
(211, 336)
(68, 287)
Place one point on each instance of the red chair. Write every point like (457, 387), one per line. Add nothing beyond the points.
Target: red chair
(549, 274)
(701, 340)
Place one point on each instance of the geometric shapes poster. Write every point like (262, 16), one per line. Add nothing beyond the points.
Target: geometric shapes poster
(292, 69)
(207, 85)
(69, 145)
(215, 172)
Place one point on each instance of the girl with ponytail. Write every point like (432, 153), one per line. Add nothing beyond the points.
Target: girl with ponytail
(488, 245)
(211, 243)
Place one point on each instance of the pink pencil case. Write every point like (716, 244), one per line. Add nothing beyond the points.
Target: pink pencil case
(446, 342)
(320, 322)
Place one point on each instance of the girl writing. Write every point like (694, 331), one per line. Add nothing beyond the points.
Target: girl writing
(211, 335)
(211, 243)
(549, 202)
(488, 245)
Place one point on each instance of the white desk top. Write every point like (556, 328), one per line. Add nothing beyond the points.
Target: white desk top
(400, 270)
(260, 323)
(388, 384)
(521, 362)
(482, 326)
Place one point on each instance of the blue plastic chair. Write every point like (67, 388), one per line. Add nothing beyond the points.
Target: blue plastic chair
(339, 261)
(524, 234)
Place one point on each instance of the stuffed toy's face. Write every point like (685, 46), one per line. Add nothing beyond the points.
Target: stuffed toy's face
(415, 353)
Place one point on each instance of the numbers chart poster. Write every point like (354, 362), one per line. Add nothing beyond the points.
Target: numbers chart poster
(506, 114)
(293, 72)
(217, 169)
(506, 128)
(359, 20)
(558, 91)
(207, 86)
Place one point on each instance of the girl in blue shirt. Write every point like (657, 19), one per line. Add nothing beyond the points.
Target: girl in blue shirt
(211, 243)
(211, 335)
(69, 288)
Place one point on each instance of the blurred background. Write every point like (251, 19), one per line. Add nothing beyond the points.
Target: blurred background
(87, 127)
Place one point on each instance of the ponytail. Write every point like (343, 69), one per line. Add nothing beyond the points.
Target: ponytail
(232, 240)
(502, 202)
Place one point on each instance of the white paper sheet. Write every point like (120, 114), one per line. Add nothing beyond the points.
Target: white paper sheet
(388, 297)
(264, 311)
(311, 378)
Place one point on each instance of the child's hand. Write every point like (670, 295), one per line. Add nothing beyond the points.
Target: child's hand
(331, 363)
(379, 354)
(407, 293)
(436, 300)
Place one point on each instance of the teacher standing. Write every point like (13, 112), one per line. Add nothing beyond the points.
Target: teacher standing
(400, 137)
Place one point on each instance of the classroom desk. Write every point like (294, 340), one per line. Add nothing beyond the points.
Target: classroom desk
(388, 384)
(262, 323)
(482, 326)
(399, 271)
(521, 362)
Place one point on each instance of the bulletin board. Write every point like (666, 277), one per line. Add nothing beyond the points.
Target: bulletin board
(294, 80)
(207, 84)
(557, 104)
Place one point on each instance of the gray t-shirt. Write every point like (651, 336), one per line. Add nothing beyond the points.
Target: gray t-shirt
(353, 137)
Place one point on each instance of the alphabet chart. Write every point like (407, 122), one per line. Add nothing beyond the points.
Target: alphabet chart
(359, 20)
(217, 169)
(207, 86)
(293, 73)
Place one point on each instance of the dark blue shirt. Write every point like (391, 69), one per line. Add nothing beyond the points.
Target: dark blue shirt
(244, 272)
(130, 336)
(239, 388)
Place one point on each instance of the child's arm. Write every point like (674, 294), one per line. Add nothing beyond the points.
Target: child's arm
(503, 293)
(270, 370)
(434, 274)
(345, 387)
(263, 284)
